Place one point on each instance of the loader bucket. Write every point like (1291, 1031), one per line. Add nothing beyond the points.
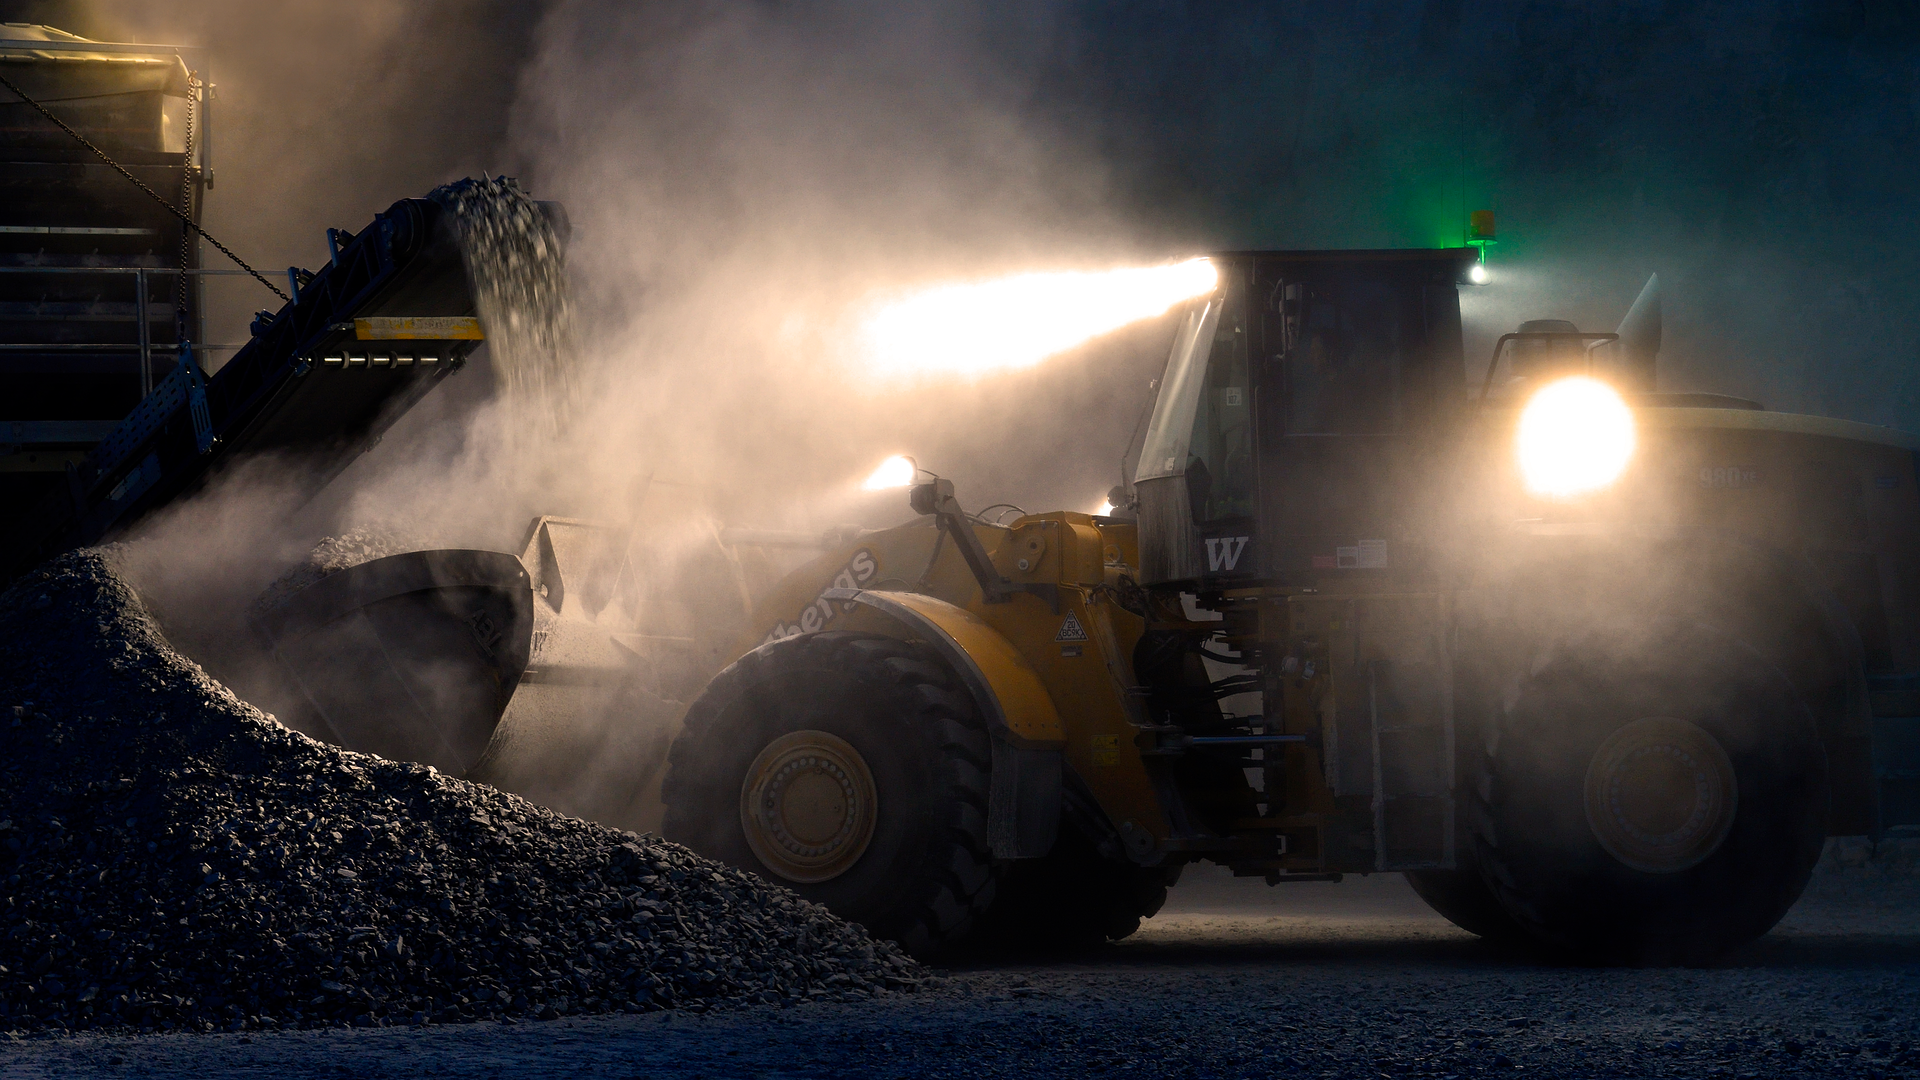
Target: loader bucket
(411, 657)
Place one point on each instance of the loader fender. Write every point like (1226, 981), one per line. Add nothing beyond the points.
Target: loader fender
(1023, 812)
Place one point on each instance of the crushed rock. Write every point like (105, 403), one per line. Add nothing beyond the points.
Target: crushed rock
(173, 858)
(335, 553)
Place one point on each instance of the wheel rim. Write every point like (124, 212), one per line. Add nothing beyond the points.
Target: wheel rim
(808, 806)
(1661, 795)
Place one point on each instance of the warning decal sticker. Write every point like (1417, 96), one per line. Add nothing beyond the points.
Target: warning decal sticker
(418, 328)
(1071, 630)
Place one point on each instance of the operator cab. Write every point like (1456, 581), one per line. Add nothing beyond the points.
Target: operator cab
(1296, 425)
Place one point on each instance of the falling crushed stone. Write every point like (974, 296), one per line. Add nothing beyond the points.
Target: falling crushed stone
(173, 858)
(512, 251)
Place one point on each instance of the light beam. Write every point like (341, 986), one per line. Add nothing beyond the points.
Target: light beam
(1016, 322)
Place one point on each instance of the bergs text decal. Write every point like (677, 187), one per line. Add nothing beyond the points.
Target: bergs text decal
(858, 571)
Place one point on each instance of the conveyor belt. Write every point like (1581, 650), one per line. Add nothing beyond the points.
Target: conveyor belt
(361, 342)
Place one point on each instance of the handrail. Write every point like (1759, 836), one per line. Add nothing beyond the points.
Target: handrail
(1550, 335)
(118, 270)
(129, 48)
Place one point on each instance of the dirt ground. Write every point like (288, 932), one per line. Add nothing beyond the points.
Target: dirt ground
(1232, 979)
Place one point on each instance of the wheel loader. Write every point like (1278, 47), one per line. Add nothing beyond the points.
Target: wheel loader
(1597, 667)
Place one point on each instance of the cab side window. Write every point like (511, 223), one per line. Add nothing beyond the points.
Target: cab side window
(1344, 359)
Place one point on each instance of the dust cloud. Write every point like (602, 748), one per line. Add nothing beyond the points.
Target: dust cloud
(746, 183)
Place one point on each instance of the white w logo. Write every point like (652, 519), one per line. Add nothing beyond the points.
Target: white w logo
(1223, 552)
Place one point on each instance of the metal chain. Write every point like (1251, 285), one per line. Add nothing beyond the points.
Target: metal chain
(137, 182)
(186, 214)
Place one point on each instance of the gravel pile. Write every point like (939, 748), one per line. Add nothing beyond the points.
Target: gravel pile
(170, 857)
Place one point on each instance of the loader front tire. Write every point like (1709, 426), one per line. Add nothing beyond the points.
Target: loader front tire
(1655, 804)
(1078, 896)
(850, 768)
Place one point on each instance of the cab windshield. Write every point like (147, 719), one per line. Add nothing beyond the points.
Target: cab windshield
(1202, 423)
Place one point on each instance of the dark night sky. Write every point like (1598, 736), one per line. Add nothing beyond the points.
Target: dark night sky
(1761, 156)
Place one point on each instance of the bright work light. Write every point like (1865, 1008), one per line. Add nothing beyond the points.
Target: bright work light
(1576, 436)
(896, 472)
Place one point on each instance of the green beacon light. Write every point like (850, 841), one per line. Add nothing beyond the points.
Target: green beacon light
(1480, 235)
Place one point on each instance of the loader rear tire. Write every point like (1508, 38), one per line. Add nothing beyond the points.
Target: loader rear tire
(1654, 805)
(850, 768)
(1463, 899)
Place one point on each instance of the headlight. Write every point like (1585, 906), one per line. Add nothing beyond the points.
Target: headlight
(1576, 436)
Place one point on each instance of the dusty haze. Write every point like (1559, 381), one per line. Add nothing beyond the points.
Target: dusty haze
(745, 182)
(744, 176)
